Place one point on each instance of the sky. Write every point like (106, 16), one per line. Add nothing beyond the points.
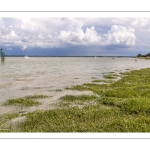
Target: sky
(69, 36)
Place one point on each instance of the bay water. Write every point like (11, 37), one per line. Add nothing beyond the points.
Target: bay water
(21, 77)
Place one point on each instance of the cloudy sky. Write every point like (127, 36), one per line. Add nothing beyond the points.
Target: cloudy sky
(47, 36)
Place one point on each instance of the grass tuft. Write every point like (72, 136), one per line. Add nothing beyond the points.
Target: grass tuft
(26, 101)
(58, 90)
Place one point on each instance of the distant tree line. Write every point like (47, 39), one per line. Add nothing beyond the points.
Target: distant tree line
(147, 55)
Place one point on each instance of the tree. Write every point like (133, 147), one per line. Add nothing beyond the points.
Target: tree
(148, 54)
(139, 55)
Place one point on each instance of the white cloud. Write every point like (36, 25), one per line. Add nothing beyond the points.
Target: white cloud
(120, 35)
(7, 35)
(57, 32)
(90, 37)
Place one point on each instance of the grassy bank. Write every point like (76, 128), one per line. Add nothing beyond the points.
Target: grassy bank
(114, 106)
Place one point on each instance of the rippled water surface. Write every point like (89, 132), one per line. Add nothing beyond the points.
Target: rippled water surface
(40, 75)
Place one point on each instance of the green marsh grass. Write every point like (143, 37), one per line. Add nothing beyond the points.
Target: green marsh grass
(103, 81)
(110, 75)
(11, 116)
(89, 119)
(26, 101)
(121, 106)
(58, 90)
(77, 100)
(73, 98)
(5, 122)
(96, 80)
(78, 87)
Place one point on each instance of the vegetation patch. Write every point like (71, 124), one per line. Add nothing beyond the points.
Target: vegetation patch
(78, 100)
(99, 80)
(78, 87)
(103, 81)
(5, 122)
(148, 58)
(11, 116)
(110, 76)
(58, 90)
(26, 101)
(88, 119)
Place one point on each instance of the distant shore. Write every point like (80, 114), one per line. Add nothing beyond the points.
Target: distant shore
(69, 56)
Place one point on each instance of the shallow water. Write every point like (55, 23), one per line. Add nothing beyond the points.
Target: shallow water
(20, 77)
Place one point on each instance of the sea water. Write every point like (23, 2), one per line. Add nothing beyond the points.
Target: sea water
(20, 77)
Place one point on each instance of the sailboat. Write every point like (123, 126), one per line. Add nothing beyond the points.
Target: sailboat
(26, 57)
